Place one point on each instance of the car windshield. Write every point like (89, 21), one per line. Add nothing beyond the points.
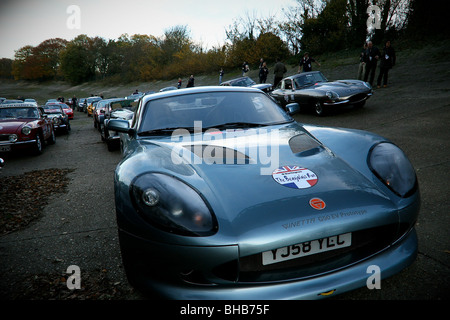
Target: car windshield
(19, 113)
(309, 79)
(214, 110)
(243, 82)
(129, 105)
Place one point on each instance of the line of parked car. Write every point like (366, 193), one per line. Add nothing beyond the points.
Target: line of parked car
(24, 125)
(102, 110)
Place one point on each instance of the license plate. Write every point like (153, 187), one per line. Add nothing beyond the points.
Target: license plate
(5, 148)
(306, 248)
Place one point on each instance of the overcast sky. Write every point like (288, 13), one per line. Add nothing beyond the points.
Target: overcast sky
(29, 22)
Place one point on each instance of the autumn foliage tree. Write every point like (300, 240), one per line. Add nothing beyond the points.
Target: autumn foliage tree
(38, 63)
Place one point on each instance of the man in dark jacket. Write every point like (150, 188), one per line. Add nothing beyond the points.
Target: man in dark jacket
(387, 61)
(190, 83)
(372, 56)
(306, 63)
(279, 71)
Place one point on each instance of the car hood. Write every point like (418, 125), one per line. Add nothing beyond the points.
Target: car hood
(260, 196)
(12, 126)
(342, 87)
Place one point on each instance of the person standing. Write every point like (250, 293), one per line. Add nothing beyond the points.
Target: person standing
(263, 73)
(362, 63)
(372, 56)
(387, 61)
(306, 63)
(245, 69)
(179, 83)
(221, 73)
(190, 81)
(74, 102)
(279, 71)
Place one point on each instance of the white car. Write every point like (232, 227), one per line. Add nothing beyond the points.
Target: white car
(32, 101)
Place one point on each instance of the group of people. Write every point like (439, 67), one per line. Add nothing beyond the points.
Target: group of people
(369, 57)
(368, 60)
(279, 71)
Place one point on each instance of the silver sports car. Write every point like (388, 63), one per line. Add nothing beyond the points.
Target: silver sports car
(313, 90)
(222, 195)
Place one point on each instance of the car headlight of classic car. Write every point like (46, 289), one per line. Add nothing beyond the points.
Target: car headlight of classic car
(172, 205)
(332, 95)
(393, 168)
(26, 130)
(56, 120)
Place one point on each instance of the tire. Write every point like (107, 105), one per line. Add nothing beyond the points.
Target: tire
(111, 145)
(52, 139)
(319, 109)
(38, 146)
(102, 132)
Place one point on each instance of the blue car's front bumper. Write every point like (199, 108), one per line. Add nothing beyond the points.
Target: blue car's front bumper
(389, 261)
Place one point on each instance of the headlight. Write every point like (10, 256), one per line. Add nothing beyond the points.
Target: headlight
(26, 131)
(172, 205)
(332, 95)
(56, 120)
(393, 168)
(13, 138)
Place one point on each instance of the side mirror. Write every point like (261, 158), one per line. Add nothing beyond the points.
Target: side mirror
(119, 126)
(292, 108)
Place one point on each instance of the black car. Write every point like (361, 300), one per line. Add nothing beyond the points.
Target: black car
(248, 82)
(116, 109)
(60, 119)
(313, 90)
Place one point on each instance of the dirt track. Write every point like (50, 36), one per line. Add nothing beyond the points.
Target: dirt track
(79, 228)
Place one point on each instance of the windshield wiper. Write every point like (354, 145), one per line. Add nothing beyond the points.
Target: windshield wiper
(232, 125)
(163, 131)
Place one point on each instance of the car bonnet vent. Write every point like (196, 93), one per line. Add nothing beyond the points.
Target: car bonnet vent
(303, 142)
(219, 155)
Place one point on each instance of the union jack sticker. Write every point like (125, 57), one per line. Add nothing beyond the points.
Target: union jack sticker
(295, 177)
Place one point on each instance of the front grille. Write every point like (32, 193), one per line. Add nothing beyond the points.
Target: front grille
(358, 97)
(364, 244)
(4, 137)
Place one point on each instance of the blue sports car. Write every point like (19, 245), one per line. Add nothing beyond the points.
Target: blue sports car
(221, 194)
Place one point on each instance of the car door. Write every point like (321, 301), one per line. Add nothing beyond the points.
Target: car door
(303, 92)
(281, 94)
(45, 123)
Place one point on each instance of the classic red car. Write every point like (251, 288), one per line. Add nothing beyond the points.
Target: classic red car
(67, 110)
(23, 126)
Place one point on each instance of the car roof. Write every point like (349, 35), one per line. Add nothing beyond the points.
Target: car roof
(235, 79)
(205, 89)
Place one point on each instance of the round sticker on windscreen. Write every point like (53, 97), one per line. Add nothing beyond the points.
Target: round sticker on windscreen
(295, 177)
